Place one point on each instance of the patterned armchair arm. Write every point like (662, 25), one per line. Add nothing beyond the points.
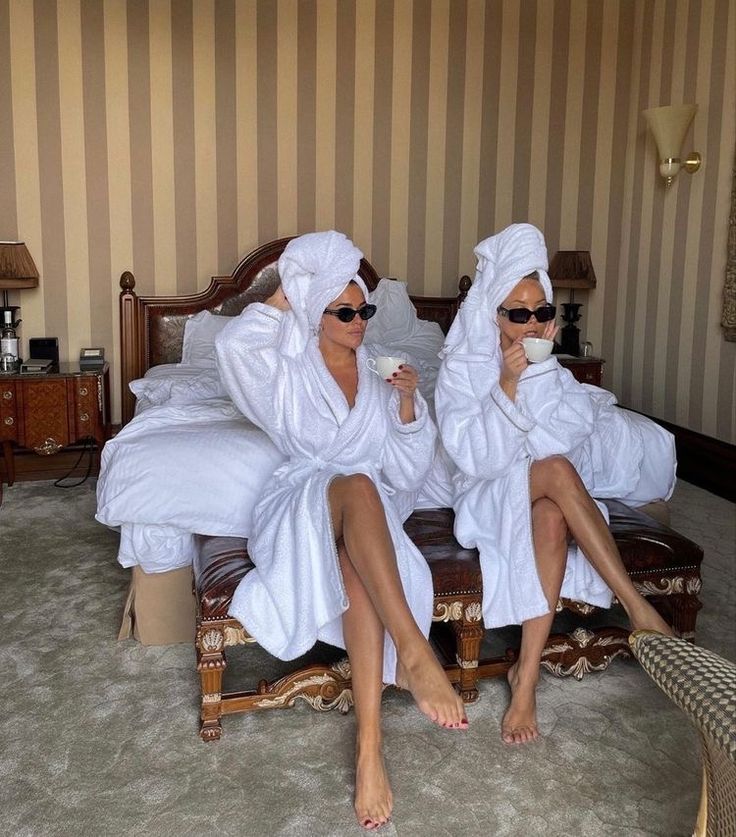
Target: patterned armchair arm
(703, 685)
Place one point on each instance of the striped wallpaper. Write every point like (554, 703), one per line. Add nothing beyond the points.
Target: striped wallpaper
(170, 137)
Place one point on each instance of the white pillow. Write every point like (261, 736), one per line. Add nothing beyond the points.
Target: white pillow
(177, 388)
(199, 338)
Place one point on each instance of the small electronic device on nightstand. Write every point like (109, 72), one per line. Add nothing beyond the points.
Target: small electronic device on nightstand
(36, 366)
(45, 348)
(91, 358)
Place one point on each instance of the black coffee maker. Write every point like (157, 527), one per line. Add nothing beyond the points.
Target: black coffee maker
(9, 342)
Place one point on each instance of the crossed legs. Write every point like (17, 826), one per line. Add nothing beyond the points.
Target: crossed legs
(561, 505)
(378, 604)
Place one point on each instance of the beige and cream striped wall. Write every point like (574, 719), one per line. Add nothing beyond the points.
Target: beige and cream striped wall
(171, 137)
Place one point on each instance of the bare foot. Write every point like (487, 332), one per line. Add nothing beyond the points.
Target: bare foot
(519, 724)
(645, 618)
(433, 693)
(374, 801)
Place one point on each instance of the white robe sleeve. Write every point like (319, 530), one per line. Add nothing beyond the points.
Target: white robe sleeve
(483, 435)
(486, 434)
(409, 448)
(564, 413)
(256, 375)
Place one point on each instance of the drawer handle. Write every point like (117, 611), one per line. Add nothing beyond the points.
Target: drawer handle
(8, 394)
(84, 417)
(83, 391)
(48, 447)
(9, 420)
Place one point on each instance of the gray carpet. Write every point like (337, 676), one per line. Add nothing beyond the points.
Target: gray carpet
(99, 737)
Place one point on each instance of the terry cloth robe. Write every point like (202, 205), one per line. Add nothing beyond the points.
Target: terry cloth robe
(494, 440)
(295, 595)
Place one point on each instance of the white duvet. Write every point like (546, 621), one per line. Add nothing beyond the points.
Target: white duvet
(179, 469)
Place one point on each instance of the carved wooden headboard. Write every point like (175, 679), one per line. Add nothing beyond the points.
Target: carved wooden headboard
(152, 327)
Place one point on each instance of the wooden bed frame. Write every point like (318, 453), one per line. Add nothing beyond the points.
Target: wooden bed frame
(663, 564)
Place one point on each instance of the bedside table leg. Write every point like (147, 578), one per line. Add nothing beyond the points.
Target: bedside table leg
(9, 463)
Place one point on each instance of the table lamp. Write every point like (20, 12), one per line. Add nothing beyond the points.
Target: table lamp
(571, 269)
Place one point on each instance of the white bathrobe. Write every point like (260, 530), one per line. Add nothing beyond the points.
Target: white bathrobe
(271, 364)
(493, 440)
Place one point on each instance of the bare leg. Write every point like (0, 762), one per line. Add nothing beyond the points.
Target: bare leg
(556, 479)
(359, 519)
(519, 724)
(363, 633)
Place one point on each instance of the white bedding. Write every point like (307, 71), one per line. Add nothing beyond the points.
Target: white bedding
(177, 469)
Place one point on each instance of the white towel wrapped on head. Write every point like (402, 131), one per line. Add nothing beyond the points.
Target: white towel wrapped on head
(315, 269)
(503, 261)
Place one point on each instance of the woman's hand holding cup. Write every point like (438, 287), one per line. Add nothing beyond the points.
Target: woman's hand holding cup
(405, 380)
(514, 362)
(397, 372)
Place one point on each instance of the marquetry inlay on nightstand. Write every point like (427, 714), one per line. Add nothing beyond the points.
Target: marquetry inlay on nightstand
(49, 411)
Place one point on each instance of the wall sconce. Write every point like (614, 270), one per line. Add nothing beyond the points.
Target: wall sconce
(669, 125)
(572, 269)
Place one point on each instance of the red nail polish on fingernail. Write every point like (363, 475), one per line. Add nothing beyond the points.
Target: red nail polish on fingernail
(388, 380)
(394, 374)
(401, 366)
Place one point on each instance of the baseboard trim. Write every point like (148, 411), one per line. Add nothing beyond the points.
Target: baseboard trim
(704, 461)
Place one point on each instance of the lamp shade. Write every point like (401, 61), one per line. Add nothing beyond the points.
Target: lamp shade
(17, 268)
(669, 125)
(572, 269)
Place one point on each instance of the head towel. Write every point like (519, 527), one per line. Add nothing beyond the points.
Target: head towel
(315, 269)
(503, 260)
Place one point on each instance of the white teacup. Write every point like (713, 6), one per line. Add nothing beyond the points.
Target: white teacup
(385, 365)
(537, 349)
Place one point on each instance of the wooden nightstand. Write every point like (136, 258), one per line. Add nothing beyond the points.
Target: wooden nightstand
(47, 412)
(587, 370)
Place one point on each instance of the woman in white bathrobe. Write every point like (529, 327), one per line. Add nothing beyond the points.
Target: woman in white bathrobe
(332, 561)
(531, 445)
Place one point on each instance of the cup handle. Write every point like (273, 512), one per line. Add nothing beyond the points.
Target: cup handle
(371, 364)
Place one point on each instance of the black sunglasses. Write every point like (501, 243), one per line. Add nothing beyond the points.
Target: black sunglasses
(543, 314)
(347, 315)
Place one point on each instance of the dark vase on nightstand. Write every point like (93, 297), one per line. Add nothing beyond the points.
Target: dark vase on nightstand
(570, 333)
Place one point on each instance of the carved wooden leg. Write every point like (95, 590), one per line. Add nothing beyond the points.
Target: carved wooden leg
(468, 637)
(211, 665)
(684, 608)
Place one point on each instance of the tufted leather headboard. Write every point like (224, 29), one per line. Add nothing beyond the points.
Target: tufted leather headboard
(152, 327)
